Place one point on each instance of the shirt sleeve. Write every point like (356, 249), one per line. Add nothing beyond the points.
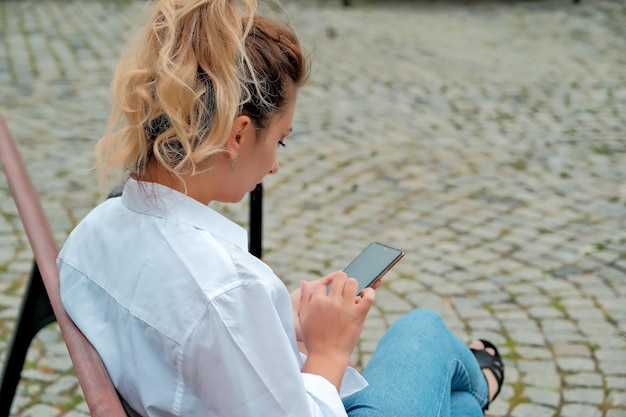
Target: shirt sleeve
(352, 381)
(240, 360)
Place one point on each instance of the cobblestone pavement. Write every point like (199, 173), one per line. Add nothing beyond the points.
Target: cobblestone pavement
(487, 139)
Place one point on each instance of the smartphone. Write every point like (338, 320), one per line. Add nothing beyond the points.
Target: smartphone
(372, 264)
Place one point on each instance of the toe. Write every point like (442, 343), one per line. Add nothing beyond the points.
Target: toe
(478, 345)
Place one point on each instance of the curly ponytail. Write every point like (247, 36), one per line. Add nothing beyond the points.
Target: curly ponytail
(196, 65)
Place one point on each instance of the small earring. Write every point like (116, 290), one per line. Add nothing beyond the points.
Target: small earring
(232, 164)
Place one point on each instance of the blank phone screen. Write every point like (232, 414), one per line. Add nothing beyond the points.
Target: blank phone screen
(372, 263)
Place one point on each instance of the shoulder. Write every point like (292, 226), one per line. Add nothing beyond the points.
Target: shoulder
(249, 272)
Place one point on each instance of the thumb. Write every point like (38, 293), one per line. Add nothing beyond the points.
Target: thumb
(368, 295)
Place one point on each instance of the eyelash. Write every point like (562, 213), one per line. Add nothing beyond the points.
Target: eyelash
(281, 143)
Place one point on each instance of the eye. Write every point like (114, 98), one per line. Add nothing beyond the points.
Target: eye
(282, 143)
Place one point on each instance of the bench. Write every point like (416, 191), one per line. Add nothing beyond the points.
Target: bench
(100, 395)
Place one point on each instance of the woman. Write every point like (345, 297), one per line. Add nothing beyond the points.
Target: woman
(186, 321)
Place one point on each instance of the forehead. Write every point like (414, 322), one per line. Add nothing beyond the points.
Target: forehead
(284, 118)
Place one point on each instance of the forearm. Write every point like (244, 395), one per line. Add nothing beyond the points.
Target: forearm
(330, 367)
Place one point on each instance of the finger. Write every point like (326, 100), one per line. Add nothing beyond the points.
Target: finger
(306, 292)
(350, 288)
(339, 280)
(368, 295)
(376, 283)
(324, 281)
(318, 289)
(336, 274)
(329, 278)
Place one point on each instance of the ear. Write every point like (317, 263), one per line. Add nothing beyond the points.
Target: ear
(242, 126)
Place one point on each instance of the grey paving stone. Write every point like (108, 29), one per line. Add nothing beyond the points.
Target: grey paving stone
(527, 338)
(569, 349)
(75, 413)
(613, 367)
(38, 375)
(40, 410)
(610, 354)
(550, 398)
(10, 301)
(584, 395)
(612, 340)
(541, 312)
(617, 398)
(584, 379)
(575, 364)
(523, 410)
(572, 410)
(543, 380)
(527, 352)
(57, 363)
(65, 384)
(565, 337)
(616, 412)
(536, 366)
(616, 382)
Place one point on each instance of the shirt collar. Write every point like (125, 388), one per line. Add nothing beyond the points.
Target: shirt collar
(158, 200)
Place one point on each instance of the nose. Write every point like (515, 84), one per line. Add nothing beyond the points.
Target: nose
(275, 167)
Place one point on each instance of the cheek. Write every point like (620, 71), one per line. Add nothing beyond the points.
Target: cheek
(270, 157)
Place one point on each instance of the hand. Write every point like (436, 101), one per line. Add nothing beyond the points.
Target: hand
(331, 324)
(295, 304)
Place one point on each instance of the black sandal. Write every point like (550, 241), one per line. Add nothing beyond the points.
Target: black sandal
(493, 363)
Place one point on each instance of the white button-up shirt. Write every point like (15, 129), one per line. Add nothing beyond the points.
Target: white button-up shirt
(187, 322)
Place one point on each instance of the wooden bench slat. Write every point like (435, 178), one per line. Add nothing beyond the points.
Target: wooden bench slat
(100, 395)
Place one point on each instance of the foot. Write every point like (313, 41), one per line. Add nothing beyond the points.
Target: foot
(491, 364)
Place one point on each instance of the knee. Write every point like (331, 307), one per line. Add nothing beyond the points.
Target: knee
(419, 328)
(423, 316)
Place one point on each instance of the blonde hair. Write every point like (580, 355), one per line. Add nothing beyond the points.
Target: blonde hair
(191, 71)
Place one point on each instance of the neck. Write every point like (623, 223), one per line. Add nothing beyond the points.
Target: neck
(198, 186)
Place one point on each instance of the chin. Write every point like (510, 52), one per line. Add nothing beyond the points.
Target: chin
(231, 198)
(235, 199)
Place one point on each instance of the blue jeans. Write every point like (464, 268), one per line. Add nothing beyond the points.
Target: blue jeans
(420, 369)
